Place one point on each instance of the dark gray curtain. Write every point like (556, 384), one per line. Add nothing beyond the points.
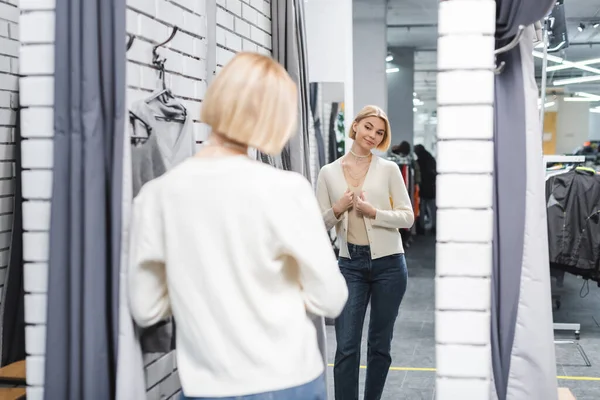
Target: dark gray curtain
(510, 184)
(314, 109)
(289, 49)
(85, 226)
(13, 296)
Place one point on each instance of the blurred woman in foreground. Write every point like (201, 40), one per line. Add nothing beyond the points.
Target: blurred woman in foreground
(236, 250)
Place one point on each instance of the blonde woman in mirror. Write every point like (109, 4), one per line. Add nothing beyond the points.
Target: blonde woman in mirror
(364, 197)
(236, 250)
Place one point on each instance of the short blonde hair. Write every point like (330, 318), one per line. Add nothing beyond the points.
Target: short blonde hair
(373, 111)
(252, 101)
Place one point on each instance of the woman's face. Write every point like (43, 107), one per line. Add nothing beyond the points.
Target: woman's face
(369, 132)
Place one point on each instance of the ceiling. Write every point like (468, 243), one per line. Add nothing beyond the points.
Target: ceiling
(413, 23)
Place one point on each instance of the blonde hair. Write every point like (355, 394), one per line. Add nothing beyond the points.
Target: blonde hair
(252, 101)
(373, 111)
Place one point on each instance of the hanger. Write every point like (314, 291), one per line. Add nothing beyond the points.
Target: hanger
(139, 139)
(129, 42)
(159, 63)
(513, 43)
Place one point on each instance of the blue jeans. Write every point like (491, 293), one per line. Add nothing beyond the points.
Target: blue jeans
(314, 390)
(383, 282)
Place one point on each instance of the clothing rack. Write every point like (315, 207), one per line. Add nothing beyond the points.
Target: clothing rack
(574, 327)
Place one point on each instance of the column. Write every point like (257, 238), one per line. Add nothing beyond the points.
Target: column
(572, 125)
(400, 88)
(465, 96)
(370, 49)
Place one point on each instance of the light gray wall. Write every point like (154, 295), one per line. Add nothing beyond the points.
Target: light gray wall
(400, 95)
(369, 51)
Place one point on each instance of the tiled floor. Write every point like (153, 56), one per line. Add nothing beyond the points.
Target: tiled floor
(413, 345)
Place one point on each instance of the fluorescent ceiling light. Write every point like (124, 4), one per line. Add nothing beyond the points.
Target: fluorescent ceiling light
(392, 70)
(583, 96)
(581, 99)
(572, 81)
(595, 110)
(547, 105)
(579, 63)
(569, 64)
(389, 58)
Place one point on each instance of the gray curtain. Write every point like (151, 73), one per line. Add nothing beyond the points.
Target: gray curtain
(289, 49)
(85, 225)
(515, 164)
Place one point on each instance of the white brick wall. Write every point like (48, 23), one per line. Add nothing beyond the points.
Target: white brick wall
(9, 52)
(464, 199)
(240, 25)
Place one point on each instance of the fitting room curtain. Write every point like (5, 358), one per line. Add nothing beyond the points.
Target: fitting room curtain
(85, 225)
(289, 49)
(523, 361)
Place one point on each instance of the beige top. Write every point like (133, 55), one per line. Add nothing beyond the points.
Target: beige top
(357, 230)
(384, 188)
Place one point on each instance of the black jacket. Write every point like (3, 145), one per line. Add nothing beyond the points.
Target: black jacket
(573, 207)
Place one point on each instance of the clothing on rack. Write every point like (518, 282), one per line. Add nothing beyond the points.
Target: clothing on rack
(573, 207)
(334, 154)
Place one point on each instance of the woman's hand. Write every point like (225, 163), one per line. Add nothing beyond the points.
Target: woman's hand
(344, 203)
(363, 207)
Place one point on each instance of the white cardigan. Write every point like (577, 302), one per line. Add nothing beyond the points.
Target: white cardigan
(385, 189)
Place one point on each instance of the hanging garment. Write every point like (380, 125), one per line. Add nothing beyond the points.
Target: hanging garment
(12, 308)
(169, 142)
(333, 142)
(85, 215)
(573, 205)
(316, 113)
(521, 324)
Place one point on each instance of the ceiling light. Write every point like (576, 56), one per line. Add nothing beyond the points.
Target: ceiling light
(572, 81)
(581, 27)
(575, 64)
(414, 109)
(414, 94)
(389, 58)
(580, 99)
(595, 25)
(569, 64)
(546, 105)
(392, 70)
(595, 110)
(583, 96)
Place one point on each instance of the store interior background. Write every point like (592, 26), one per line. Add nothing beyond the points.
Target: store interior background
(404, 33)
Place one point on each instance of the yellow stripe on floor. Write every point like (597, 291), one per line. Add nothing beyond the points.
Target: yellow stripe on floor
(564, 378)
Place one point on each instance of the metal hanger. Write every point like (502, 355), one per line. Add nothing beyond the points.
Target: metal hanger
(129, 42)
(513, 43)
(159, 63)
